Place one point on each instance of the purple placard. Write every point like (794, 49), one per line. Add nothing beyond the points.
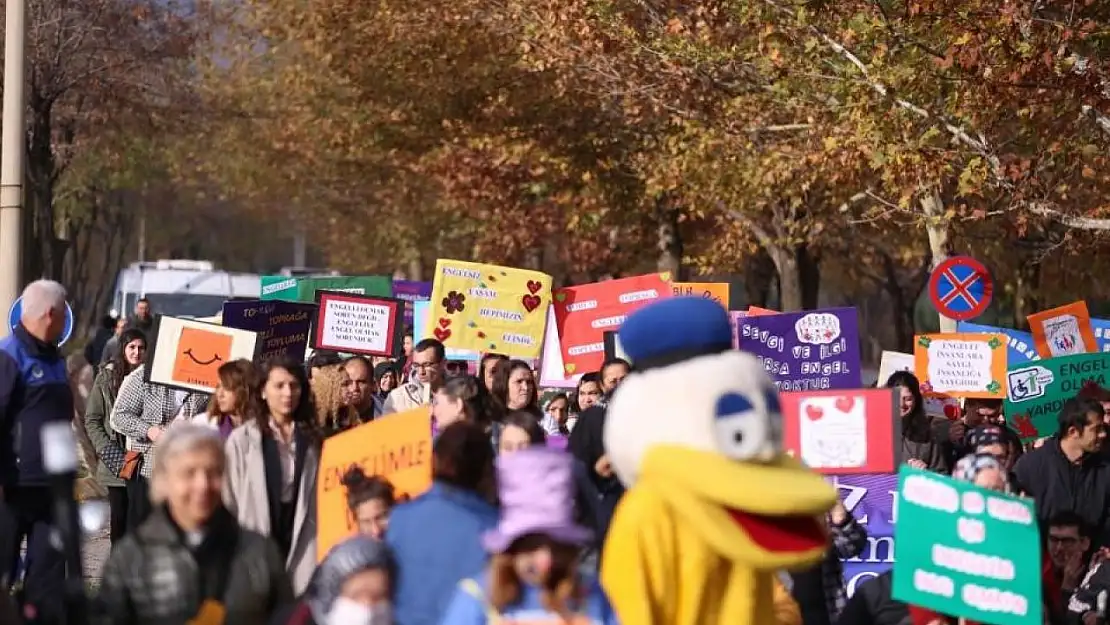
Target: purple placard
(870, 498)
(734, 317)
(411, 291)
(281, 326)
(806, 351)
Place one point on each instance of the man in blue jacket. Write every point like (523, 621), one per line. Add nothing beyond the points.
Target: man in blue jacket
(34, 390)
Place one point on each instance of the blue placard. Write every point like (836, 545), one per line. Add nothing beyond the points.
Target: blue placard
(1101, 328)
(1020, 346)
(17, 311)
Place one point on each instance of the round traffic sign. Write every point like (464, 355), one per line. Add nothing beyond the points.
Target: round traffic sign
(17, 310)
(961, 288)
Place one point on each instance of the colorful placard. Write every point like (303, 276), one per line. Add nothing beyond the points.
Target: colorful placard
(358, 324)
(282, 327)
(411, 291)
(1037, 390)
(584, 313)
(806, 351)
(716, 291)
(843, 431)
(303, 289)
(397, 447)
(970, 552)
(187, 354)
(1019, 345)
(420, 312)
(1063, 331)
(734, 317)
(487, 308)
(871, 500)
(1101, 329)
(961, 365)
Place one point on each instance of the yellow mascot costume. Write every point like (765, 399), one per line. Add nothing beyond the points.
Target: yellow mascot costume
(714, 506)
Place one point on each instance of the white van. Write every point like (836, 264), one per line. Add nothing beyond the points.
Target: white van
(182, 288)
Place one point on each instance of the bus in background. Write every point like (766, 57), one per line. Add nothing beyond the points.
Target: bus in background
(182, 288)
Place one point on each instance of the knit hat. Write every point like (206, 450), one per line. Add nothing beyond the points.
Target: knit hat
(969, 467)
(347, 558)
(537, 491)
(985, 435)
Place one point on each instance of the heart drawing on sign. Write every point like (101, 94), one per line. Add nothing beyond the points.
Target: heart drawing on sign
(569, 368)
(561, 296)
(444, 322)
(441, 334)
(531, 302)
(844, 404)
(534, 286)
(814, 412)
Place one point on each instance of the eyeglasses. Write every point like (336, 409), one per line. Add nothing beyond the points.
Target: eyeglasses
(424, 366)
(1063, 540)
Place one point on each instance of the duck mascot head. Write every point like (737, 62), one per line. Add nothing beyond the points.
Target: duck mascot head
(714, 506)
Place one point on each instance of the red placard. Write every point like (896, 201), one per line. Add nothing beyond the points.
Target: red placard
(584, 313)
(844, 431)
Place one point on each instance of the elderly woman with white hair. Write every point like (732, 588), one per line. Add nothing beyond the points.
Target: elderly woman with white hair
(350, 587)
(190, 561)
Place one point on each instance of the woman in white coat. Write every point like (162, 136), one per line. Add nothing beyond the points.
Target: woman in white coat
(272, 463)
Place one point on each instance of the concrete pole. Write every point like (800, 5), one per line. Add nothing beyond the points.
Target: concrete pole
(11, 159)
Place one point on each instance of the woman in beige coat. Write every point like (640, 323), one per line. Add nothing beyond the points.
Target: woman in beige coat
(272, 462)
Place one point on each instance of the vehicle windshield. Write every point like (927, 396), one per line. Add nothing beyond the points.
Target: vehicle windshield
(179, 304)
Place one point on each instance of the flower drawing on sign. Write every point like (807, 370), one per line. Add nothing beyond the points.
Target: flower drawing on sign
(1025, 427)
(454, 302)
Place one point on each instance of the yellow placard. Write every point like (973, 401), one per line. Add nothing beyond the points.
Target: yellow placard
(487, 308)
(716, 291)
(397, 447)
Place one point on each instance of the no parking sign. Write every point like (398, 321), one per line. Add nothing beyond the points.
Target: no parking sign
(961, 288)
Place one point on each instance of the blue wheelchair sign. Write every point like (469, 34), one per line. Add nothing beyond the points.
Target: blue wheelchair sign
(17, 311)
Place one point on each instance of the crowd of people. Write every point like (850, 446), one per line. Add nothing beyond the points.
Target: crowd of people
(213, 497)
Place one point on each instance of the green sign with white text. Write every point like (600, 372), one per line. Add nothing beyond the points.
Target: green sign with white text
(304, 289)
(1037, 390)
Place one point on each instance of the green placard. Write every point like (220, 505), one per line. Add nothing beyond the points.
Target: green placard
(965, 551)
(304, 289)
(1037, 390)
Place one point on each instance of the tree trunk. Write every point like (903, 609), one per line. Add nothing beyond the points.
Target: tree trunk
(669, 242)
(790, 279)
(936, 227)
(759, 273)
(1026, 293)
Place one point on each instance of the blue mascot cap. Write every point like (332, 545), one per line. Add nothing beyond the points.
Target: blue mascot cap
(675, 329)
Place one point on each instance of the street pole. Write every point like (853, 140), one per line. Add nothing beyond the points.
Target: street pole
(12, 140)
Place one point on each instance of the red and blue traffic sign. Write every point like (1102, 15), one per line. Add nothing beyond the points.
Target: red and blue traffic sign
(961, 288)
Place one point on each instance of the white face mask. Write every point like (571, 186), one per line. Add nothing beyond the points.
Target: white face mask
(349, 612)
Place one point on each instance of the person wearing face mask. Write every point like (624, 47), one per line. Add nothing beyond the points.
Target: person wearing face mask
(351, 587)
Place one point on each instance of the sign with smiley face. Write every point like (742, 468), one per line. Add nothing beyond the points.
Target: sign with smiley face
(187, 354)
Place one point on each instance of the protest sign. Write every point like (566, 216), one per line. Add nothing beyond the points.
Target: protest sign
(716, 291)
(1037, 390)
(961, 365)
(968, 552)
(1063, 331)
(756, 311)
(585, 312)
(487, 308)
(420, 312)
(870, 499)
(358, 324)
(282, 327)
(552, 374)
(303, 289)
(186, 354)
(734, 317)
(889, 362)
(1019, 345)
(411, 291)
(842, 431)
(804, 351)
(397, 447)
(1101, 329)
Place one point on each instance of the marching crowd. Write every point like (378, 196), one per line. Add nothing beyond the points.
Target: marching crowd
(213, 498)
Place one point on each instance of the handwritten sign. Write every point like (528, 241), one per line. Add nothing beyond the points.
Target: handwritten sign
(961, 365)
(1037, 390)
(358, 324)
(187, 354)
(1019, 345)
(420, 313)
(716, 291)
(969, 552)
(844, 431)
(282, 327)
(806, 351)
(397, 447)
(303, 289)
(1063, 331)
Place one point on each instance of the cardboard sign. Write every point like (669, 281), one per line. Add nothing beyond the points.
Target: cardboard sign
(1037, 390)
(961, 365)
(844, 431)
(304, 289)
(411, 291)
(584, 313)
(1019, 345)
(487, 308)
(716, 291)
(282, 327)
(358, 324)
(397, 447)
(1063, 331)
(756, 311)
(969, 552)
(187, 354)
(806, 351)
(420, 313)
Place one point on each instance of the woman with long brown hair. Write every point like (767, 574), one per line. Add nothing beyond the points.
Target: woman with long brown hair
(234, 400)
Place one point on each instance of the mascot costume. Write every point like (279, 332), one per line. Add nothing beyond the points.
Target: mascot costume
(714, 506)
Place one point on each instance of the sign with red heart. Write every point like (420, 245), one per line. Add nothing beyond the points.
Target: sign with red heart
(843, 431)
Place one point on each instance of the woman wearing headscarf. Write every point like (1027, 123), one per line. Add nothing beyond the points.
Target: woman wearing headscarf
(350, 587)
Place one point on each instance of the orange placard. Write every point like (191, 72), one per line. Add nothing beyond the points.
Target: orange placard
(716, 291)
(961, 364)
(756, 311)
(397, 447)
(200, 352)
(1063, 331)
